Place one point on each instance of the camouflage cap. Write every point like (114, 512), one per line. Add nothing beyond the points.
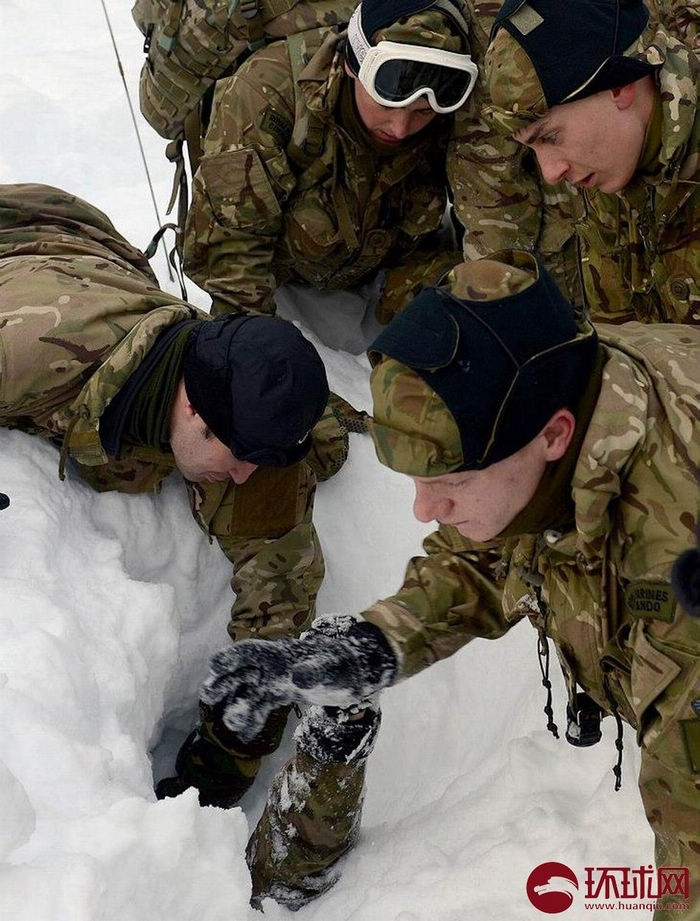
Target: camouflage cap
(430, 27)
(545, 53)
(434, 23)
(471, 371)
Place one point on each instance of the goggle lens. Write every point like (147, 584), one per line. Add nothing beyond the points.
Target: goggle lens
(399, 80)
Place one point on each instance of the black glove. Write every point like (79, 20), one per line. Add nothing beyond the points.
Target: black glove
(339, 662)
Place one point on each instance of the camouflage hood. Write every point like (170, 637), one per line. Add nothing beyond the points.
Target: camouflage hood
(321, 79)
(650, 394)
(82, 417)
(89, 303)
(475, 368)
(42, 220)
(518, 98)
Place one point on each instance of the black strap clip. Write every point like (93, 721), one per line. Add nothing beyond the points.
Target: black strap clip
(583, 722)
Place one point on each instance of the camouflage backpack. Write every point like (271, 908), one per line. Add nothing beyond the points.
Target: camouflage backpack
(190, 44)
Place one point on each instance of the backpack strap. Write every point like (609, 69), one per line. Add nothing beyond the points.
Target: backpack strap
(167, 39)
(308, 135)
(251, 11)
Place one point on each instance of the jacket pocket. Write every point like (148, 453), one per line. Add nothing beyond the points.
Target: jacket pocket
(651, 674)
(239, 190)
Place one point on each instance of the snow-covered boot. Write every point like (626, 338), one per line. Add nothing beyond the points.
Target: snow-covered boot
(313, 811)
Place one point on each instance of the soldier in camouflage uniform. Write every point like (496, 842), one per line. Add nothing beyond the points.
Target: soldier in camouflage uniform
(606, 98)
(306, 177)
(307, 181)
(98, 359)
(560, 464)
(499, 196)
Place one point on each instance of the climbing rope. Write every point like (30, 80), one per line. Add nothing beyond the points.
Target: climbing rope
(138, 133)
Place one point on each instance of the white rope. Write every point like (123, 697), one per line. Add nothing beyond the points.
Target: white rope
(138, 134)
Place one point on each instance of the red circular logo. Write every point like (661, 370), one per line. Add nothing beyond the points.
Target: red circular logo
(551, 887)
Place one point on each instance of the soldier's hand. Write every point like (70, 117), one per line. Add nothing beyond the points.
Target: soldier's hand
(339, 662)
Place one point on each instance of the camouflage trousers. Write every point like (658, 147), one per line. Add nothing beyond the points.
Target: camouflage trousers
(350, 319)
(314, 807)
(212, 758)
(313, 810)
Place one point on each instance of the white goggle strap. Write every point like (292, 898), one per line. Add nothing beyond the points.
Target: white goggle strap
(356, 37)
(361, 44)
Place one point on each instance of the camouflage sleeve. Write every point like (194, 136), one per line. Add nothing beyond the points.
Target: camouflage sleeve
(669, 735)
(502, 202)
(265, 529)
(448, 598)
(680, 17)
(427, 265)
(241, 185)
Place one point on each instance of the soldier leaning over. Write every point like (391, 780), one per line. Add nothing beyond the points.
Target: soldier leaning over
(499, 195)
(606, 98)
(132, 382)
(560, 464)
(324, 164)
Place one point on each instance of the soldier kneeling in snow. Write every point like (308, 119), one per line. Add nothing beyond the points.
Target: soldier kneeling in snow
(559, 461)
(130, 383)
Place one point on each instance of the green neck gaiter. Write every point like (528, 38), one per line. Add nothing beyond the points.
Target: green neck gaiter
(139, 415)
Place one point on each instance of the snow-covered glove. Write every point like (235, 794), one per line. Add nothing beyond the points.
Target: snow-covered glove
(339, 662)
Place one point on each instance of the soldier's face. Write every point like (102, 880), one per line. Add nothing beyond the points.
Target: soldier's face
(480, 504)
(199, 455)
(388, 125)
(594, 143)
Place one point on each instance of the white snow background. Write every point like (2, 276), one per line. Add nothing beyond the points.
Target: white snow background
(110, 606)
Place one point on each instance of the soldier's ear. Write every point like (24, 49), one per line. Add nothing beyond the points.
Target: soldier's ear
(182, 401)
(624, 96)
(348, 71)
(558, 433)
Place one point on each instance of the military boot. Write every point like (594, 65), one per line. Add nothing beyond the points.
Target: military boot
(215, 761)
(313, 811)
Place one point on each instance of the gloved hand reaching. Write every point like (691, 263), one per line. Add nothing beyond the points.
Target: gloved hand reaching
(340, 661)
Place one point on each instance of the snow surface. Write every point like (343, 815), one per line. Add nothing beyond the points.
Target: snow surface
(110, 606)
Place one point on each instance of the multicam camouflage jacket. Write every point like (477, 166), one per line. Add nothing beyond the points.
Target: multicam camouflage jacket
(79, 310)
(640, 248)
(499, 195)
(635, 500)
(600, 589)
(285, 192)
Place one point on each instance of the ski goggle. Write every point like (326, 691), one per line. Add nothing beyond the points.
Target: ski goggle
(396, 74)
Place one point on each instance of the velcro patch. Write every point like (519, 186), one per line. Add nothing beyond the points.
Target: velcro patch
(526, 19)
(277, 125)
(650, 600)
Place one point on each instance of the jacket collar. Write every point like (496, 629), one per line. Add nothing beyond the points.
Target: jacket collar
(82, 416)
